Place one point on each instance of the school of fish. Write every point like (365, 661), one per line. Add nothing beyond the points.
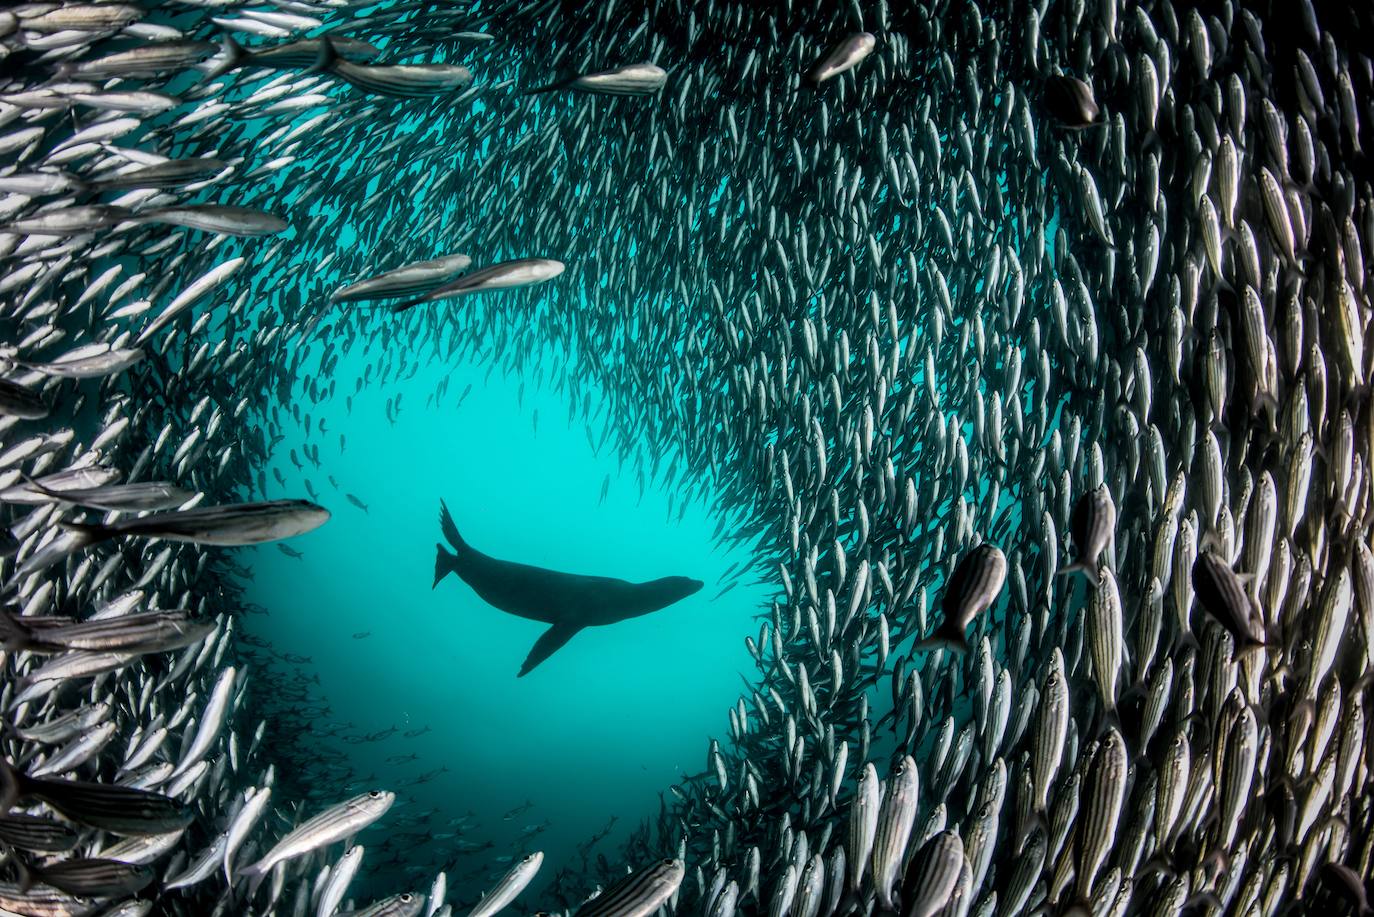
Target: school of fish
(1030, 336)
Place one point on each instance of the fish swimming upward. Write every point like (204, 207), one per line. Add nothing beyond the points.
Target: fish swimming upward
(567, 602)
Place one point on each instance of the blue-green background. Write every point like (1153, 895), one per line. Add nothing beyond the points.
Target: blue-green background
(603, 726)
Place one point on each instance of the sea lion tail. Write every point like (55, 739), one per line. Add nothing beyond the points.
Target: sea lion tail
(445, 562)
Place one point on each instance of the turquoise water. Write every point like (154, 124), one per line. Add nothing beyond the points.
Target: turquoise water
(599, 729)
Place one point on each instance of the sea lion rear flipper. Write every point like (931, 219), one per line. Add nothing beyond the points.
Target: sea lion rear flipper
(450, 530)
(444, 564)
(548, 643)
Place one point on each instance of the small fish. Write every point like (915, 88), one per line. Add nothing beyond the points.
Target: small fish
(93, 877)
(217, 218)
(630, 80)
(1070, 101)
(638, 894)
(224, 526)
(844, 56)
(142, 497)
(522, 272)
(334, 824)
(416, 278)
(1093, 525)
(149, 632)
(510, 886)
(119, 810)
(18, 401)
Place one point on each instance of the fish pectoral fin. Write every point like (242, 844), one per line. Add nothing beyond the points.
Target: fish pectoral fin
(548, 644)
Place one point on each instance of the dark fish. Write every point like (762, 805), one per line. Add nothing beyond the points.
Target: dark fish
(972, 587)
(117, 809)
(1070, 101)
(32, 833)
(93, 877)
(1221, 595)
(21, 402)
(293, 55)
(150, 632)
(146, 496)
(1347, 884)
(638, 894)
(933, 874)
(226, 526)
(1093, 524)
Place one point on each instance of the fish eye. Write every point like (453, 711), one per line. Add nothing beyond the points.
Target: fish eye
(406, 898)
(374, 794)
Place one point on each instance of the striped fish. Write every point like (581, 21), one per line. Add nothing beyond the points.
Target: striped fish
(336, 886)
(934, 875)
(150, 632)
(1221, 595)
(506, 275)
(1052, 726)
(144, 496)
(510, 886)
(1093, 525)
(971, 589)
(894, 828)
(94, 877)
(863, 824)
(1105, 638)
(225, 526)
(1107, 793)
(416, 278)
(642, 79)
(343, 820)
(32, 833)
(403, 80)
(406, 904)
(119, 810)
(638, 894)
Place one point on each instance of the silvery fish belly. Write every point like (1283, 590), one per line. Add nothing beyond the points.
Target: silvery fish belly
(878, 319)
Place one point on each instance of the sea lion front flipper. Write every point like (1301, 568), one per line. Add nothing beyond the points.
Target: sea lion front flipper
(548, 644)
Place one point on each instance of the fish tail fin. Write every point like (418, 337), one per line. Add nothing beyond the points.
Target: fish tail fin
(445, 562)
(234, 56)
(328, 55)
(945, 637)
(90, 532)
(26, 878)
(547, 87)
(1034, 822)
(11, 785)
(13, 634)
(450, 530)
(1081, 567)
